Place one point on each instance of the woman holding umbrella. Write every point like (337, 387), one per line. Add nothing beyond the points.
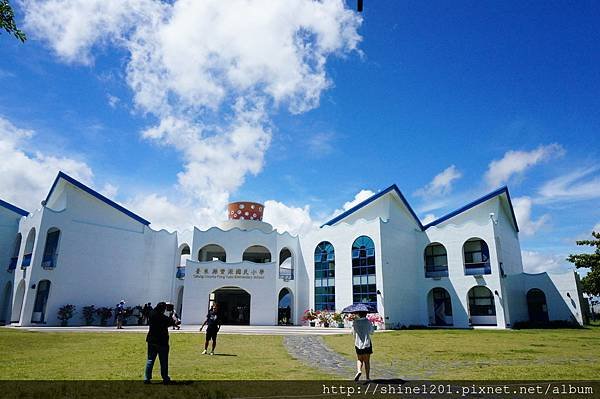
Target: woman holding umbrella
(361, 331)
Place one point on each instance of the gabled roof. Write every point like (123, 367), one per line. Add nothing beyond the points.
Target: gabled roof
(96, 194)
(392, 188)
(13, 208)
(500, 191)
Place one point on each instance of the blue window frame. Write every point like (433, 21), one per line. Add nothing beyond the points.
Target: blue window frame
(324, 276)
(51, 249)
(477, 257)
(364, 287)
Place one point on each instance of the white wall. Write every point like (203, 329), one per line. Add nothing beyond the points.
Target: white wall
(9, 225)
(102, 252)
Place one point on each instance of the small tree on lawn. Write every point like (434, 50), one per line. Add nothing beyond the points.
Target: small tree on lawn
(591, 282)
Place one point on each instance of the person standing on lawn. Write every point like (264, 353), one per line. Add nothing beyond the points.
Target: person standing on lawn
(213, 325)
(362, 330)
(120, 313)
(158, 342)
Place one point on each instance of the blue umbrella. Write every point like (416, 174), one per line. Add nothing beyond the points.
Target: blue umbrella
(359, 307)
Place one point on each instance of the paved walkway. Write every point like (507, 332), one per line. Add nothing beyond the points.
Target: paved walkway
(312, 351)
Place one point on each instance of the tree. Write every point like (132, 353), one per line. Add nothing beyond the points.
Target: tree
(7, 21)
(591, 282)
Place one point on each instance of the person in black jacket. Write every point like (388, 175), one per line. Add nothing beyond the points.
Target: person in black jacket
(158, 342)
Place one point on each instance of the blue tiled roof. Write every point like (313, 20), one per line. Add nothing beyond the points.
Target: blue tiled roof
(96, 194)
(500, 191)
(371, 199)
(13, 208)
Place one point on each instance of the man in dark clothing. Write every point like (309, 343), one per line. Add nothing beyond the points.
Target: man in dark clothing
(213, 323)
(158, 342)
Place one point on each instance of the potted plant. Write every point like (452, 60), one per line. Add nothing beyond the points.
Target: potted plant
(88, 314)
(375, 319)
(338, 318)
(309, 316)
(104, 313)
(65, 313)
(324, 318)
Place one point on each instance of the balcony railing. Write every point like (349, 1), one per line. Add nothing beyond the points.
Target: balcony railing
(180, 274)
(13, 263)
(436, 271)
(26, 260)
(474, 269)
(49, 262)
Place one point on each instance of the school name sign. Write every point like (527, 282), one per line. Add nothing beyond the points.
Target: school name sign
(225, 273)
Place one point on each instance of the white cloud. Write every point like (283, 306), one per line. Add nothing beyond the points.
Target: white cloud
(516, 162)
(113, 101)
(527, 226)
(358, 198)
(537, 262)
(441, 183)
(294, 220)
(26, 174)
(320, 144)
(581, 184)
(109, 190)
(210, 72)
(430, 217)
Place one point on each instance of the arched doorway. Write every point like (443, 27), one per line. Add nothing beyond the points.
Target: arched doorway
(234, 305)
(536, 305)
(179, 303)
(18, 302)
(5, 309)
(482, 308)
(440, 307)
(41, 300)
(284, 308)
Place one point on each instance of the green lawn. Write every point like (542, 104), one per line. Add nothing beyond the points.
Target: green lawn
(439, 354)
(85, 356)
(485, 354)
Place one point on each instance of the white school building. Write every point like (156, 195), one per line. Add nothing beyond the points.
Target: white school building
(461, 270)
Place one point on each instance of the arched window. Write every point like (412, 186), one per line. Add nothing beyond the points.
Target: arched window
(28, 253)
(41, 300)
(482, 309)
(184, 255)
(212, 252)
(477, 257)
(15, 255)
(436, 261)
(536, 305)
(257, 254)
(286, 264)
(51, 248)
(364, 288)
(324, 276)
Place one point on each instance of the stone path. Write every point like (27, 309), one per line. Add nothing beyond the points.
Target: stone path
(312, 351)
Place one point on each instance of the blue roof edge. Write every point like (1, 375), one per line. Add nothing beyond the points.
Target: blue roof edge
(372, 198)
(78, 184)
(13, 208)
(495, 193)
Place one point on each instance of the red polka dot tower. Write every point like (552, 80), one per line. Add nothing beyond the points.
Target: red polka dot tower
(245, 210)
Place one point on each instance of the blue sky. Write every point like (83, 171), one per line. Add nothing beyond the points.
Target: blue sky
(491, 94)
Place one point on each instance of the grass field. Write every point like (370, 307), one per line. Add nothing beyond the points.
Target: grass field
(439, 354)
(114, 356)
(485, 354)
